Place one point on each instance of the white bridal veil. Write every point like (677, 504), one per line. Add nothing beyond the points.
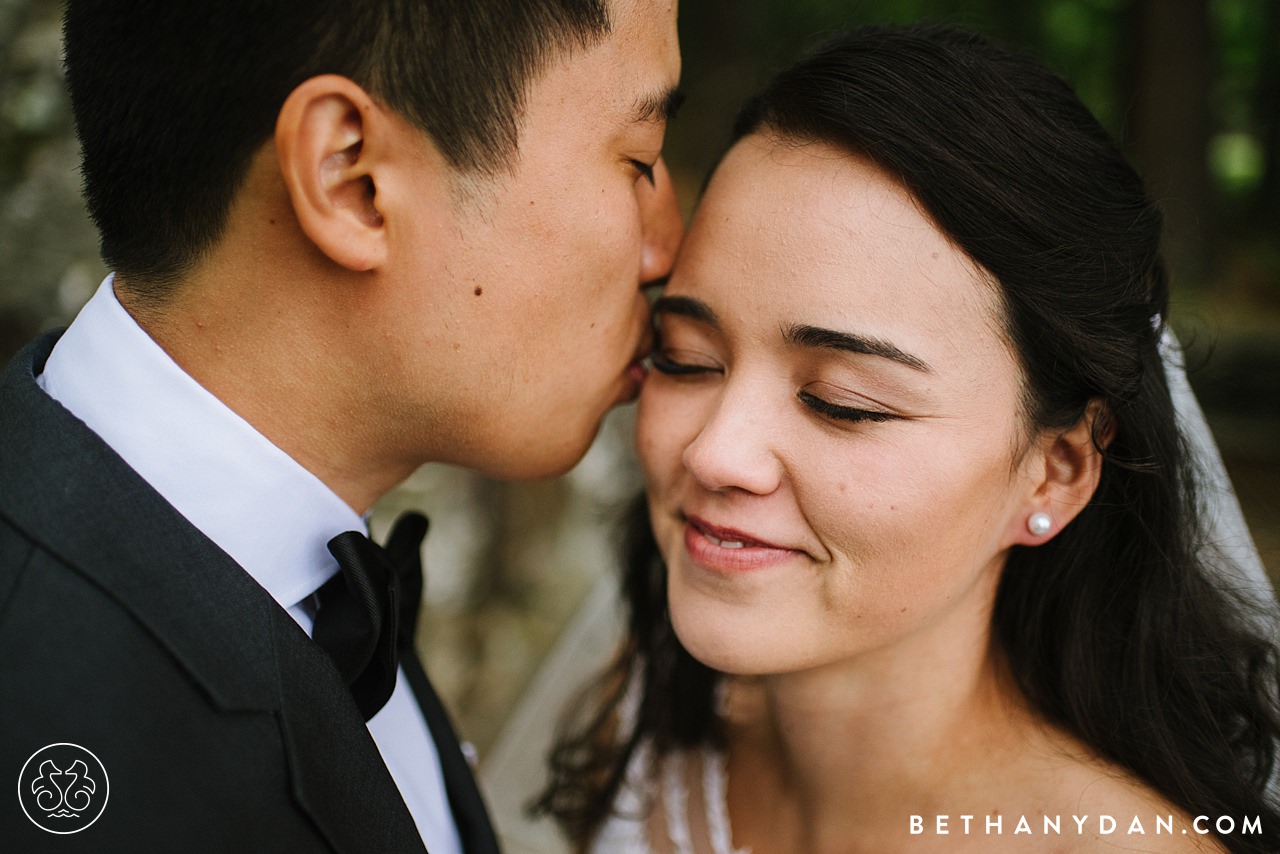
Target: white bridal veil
(1224, 522)
(514, 769)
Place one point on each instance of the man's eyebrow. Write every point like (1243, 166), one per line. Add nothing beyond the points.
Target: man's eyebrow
(830, 339)
(657, 106)
(694, 309)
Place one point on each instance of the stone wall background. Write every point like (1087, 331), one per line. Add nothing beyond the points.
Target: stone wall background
(48, 249)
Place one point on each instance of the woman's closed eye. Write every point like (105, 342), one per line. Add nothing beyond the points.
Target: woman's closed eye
(673, 362)
(843, 411)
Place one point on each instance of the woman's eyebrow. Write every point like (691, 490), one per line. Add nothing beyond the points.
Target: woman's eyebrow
(829, 339)
(694, 309)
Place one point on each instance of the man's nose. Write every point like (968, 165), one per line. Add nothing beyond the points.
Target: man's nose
(663, 226)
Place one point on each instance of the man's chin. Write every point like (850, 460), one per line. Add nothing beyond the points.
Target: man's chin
(554, 457)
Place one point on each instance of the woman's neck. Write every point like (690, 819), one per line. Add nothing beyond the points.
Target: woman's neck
(851, 751)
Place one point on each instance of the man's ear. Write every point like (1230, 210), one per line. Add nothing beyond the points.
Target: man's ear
(1066, 469)
(330, 169)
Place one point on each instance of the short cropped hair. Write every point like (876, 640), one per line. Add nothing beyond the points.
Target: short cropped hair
(172, 99)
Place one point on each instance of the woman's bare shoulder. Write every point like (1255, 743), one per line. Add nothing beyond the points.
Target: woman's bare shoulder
(1111, 810)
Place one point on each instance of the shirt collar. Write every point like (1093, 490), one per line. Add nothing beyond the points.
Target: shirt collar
(258, 504)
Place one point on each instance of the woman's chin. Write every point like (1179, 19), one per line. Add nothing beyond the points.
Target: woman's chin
(734, 650)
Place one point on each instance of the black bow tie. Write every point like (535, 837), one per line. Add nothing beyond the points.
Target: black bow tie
(368, 612)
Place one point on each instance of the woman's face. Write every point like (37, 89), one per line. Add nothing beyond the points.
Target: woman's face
(831, 435)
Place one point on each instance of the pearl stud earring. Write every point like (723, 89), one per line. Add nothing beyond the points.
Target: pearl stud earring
(1039, 523)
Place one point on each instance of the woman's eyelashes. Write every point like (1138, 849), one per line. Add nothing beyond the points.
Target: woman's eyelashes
(837, 412)
(675, 363)
(672, 356)
(681, 362)
(689, 365)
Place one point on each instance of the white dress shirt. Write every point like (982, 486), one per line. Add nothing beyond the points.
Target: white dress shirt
(271, 515)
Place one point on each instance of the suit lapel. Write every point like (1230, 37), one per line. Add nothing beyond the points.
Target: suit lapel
(72, 494)
(337, 772)
(75, 497)
(469, 812)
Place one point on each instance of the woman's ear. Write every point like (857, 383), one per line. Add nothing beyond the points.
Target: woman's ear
(331, 171)
(1065, 471)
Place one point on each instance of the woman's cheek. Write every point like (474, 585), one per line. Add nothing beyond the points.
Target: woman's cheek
(666, 422)
(646, 425)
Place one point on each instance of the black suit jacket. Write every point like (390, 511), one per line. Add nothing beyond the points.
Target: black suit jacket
(123, 629)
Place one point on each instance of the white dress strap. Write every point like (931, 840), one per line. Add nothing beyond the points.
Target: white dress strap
(675, 803)
(715, 781)
(687, 814)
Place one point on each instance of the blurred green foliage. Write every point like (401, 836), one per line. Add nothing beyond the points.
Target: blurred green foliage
(1125, 58)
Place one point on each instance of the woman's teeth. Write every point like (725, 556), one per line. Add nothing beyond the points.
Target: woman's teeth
(725, 544)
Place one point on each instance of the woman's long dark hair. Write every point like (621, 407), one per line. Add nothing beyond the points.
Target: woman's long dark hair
(1118, 630)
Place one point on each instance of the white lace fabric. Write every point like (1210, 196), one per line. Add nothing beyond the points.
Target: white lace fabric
(677, 807)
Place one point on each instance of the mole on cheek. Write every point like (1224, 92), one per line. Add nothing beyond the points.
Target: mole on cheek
(479, 291)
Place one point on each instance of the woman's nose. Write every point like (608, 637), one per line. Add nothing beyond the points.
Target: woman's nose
(736, 448)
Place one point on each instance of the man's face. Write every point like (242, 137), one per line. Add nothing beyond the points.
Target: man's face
(537, 304)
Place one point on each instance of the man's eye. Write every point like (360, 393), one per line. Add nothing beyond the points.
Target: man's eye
(842, 413)
(646, 171)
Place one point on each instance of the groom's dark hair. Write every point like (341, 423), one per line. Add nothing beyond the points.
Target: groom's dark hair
(172, 99)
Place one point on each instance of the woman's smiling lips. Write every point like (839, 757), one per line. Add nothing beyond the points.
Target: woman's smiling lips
(729, 550)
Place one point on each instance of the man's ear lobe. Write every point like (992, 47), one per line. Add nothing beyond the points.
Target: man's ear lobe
(322, 135)
(1069, 470)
